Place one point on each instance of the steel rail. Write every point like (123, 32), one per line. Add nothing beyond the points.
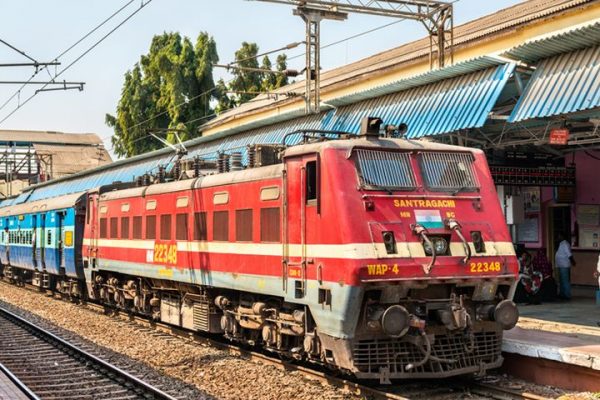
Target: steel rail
(482, 389)
(56, 341)
(18, 383)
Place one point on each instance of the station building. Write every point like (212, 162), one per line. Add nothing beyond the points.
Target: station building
(31, 157)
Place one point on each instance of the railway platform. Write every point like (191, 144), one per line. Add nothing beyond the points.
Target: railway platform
(556, 344)
(8, 389)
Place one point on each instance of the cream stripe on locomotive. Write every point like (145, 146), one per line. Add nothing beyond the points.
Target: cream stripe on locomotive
(355, 251)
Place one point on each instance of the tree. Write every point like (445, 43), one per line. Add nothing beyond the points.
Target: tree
(171, 87)
(281, 79)
(246, 81)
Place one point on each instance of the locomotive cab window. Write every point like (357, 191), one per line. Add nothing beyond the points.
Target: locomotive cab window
(387, 170)
(448, 172)
(311, 182)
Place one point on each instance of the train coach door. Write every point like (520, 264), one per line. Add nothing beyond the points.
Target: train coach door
(60, 239)
(300, 215)
(92, 230)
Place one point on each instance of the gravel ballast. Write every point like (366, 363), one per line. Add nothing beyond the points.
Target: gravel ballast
(190, 370)
(214, 373)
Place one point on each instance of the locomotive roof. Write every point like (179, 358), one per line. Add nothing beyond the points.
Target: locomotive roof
(377, 143)
(247, 175)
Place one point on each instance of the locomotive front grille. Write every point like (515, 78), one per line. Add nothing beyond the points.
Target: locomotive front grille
(372, 355)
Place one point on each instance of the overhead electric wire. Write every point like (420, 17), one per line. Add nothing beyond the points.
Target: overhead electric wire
(142, 5)
(258, 55)
(101, 24)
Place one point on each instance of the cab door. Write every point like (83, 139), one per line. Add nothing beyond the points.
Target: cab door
(301, 212)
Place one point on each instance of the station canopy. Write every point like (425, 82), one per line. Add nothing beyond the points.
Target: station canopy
(514, 98)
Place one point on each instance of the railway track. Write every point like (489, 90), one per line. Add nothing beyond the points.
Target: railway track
(53, 368)
(418, 390)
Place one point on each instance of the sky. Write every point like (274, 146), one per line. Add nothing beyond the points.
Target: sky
(44, 29)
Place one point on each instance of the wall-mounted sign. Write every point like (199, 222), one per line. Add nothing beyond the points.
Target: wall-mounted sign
(531, 199)
(589, 238)
(528, 231)
(588, 214)
(543, 176)
(559, 137)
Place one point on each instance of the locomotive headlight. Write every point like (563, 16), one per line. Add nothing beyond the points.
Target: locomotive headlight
(440, 245)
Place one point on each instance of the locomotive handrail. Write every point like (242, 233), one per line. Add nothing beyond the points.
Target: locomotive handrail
(454, 225)
(320, 132)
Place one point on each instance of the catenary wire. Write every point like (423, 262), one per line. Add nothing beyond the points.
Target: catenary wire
(104, 22)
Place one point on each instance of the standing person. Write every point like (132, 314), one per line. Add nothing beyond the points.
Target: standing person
(564, 261)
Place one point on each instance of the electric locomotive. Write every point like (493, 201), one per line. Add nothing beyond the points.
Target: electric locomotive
(380, 257)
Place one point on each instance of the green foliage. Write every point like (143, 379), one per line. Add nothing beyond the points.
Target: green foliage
(171, 87)
(246, 83)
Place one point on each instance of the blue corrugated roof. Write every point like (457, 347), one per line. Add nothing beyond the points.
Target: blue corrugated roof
(566, 83)
(440, 107)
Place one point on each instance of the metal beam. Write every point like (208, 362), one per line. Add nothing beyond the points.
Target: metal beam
(436, 16)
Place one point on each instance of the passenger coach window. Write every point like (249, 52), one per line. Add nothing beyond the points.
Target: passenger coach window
(243, 226)
(114, 228)
(137, 227)
(103, 228)
(270, 225)
(221, 226)
(200, 226)
(311, 180)
(181, 227)
(165, 227)
(125, 228)
(151, 227)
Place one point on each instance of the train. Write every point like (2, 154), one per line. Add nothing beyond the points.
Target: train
(372, 255)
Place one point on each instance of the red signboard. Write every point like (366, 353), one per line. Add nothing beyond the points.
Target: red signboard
(559, 137)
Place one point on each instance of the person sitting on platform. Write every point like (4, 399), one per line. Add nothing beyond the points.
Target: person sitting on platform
(530, 281)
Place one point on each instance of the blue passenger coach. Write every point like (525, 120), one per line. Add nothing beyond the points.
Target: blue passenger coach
(44, 238)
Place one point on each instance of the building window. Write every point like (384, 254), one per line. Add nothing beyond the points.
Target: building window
(165, 227)
(270, 225)
(125, 228)
(311, 180)
(200, 226)
(114, 228)
(221, 226)
(151, 227)
(243, 225)
(103, 228)
(181, 227)
(137, 227)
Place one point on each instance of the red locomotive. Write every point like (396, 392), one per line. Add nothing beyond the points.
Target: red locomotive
(384, 258)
